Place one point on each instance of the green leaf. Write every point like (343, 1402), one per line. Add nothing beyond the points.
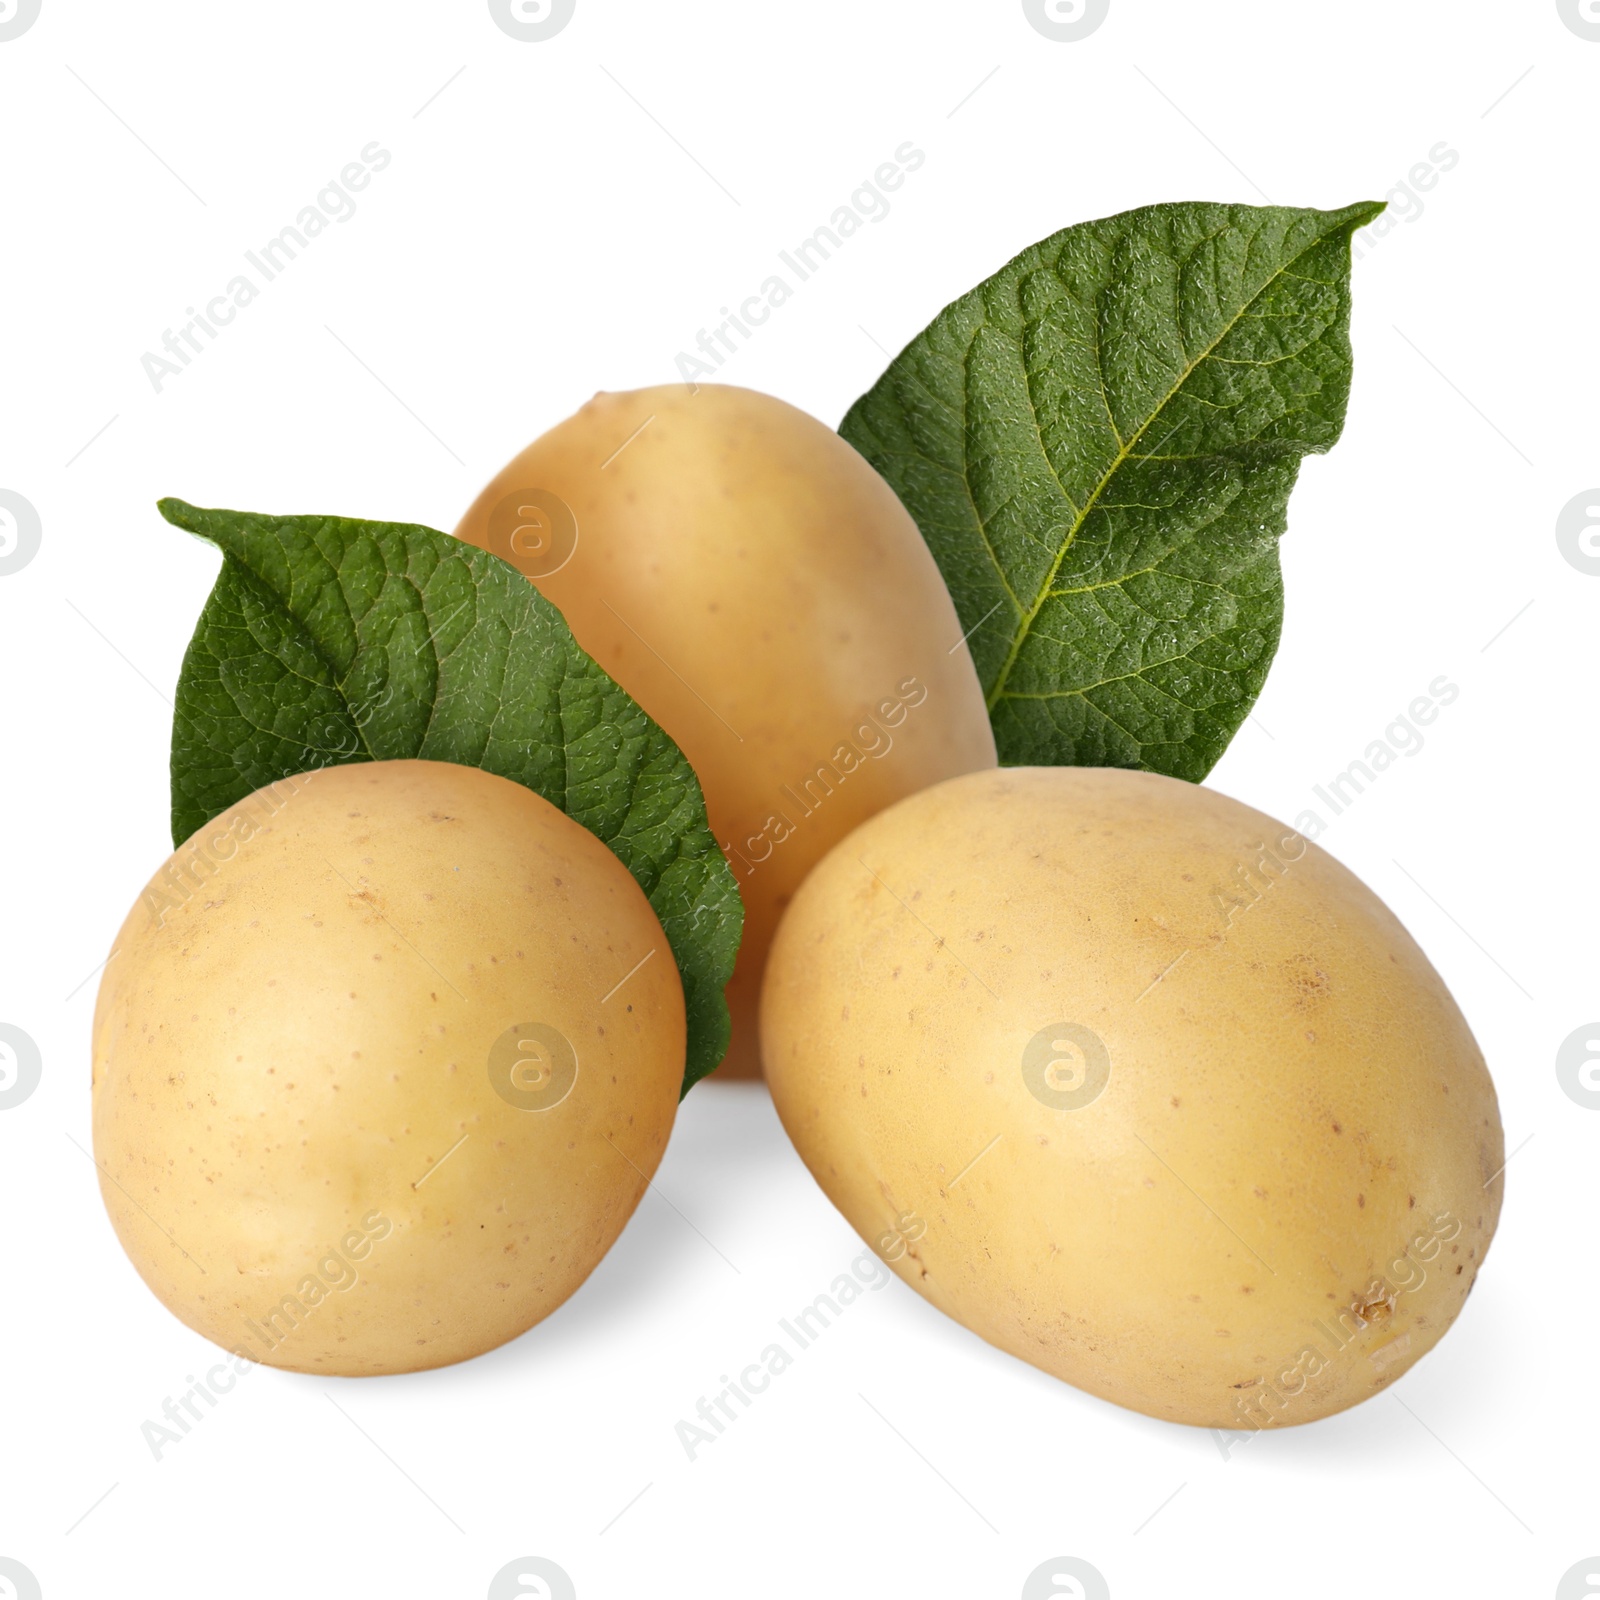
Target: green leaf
(328, 640)
(1099, 444)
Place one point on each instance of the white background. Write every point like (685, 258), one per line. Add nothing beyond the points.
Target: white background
(538, 235)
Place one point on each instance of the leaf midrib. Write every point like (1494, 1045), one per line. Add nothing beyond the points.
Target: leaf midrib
(335, 682)
(1122, 456)
(339, 683)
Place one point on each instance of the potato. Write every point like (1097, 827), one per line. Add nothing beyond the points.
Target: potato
(378, 1075)
(1140, 1086)
(762, 593)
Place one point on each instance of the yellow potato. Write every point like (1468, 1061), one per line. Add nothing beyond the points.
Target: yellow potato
(762, 593)
(362, 1100)
(1140, 1086)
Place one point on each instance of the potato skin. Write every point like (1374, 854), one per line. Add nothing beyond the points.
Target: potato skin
(300, 1146)
(763, 594)
(1284, 1190)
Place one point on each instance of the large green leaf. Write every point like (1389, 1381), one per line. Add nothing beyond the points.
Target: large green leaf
(1098, 444)
(328, 640)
